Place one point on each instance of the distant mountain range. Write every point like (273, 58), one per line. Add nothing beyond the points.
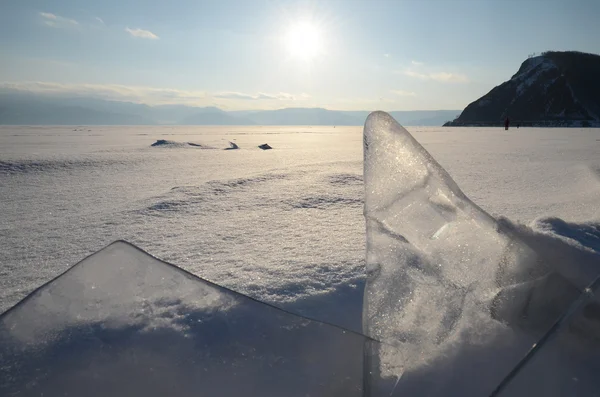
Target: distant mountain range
(553, 89)
(24, 108)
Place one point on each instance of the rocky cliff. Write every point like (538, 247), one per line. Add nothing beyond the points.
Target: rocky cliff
(553, 89)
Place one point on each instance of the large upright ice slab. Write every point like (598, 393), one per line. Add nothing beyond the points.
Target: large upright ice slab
(461, 297)
(122, 323)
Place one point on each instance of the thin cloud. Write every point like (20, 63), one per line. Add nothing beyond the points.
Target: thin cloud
(386, 55)
(351, 102)
(281, 96)
(417, 70)
(56, 21)
(443, 77)
(403, 93)
(142, 34)
(137, 94)
(48, 15)
(237, 95)
(449, 77)
(417, 75)
(149, 95)
(99, 20)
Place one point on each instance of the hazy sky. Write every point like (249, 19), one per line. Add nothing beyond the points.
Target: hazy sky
(248, 54)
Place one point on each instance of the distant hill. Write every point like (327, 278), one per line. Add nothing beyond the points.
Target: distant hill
(413, 117)
(314, 116)
(24, 108)
(553, 89)
(28, 109)
(214, 116)
(303, 116)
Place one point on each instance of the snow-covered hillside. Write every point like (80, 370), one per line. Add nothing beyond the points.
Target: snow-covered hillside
(552, 89)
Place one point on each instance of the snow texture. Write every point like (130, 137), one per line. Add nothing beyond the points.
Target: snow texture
(535, 68)
(463, 297)
(456, 297)
(284, 226)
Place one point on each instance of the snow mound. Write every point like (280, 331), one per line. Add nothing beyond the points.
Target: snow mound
(122, 323)
(584, 237)
(172, 144)
(472, 304)
(255, 212)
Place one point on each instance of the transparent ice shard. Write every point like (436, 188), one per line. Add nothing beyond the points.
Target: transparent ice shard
(461, 297)
(122, 323)
(567, 364)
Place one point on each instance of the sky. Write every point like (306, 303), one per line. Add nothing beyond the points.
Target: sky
(268, 54)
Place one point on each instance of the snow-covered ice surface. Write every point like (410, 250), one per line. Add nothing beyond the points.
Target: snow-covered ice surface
(284, 226)
(463, 297)
(457, 297)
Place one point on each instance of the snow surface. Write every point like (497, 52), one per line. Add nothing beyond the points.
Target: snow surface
(284, 226)
(457, 297)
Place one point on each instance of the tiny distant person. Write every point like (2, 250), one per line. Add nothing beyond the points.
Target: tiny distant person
(506, 123)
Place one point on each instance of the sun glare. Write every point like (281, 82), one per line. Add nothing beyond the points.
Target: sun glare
(303, 41)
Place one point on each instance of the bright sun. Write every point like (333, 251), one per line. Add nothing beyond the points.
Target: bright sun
(303, 41)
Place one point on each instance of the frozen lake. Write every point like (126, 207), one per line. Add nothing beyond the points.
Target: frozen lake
(284, 226)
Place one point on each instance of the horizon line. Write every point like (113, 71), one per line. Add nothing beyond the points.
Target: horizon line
(225, 108)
